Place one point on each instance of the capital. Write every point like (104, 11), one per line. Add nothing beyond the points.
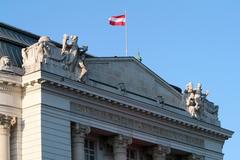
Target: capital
(195, 157)
(161, 150)
(7, 121)
(80, 129)
(121, 141)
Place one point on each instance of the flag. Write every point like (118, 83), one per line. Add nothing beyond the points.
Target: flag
(117, 20)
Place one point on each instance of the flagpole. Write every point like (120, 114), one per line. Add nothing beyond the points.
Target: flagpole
(126, 34)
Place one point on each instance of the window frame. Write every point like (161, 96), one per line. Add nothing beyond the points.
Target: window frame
(88, 150)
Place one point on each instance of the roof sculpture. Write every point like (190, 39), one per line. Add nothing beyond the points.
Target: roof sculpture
(69, 60)
(46, 54)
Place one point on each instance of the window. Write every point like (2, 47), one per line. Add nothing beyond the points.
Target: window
(89, 150)
(131, 154)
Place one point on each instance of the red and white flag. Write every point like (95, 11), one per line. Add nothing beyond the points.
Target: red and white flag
(117, 20)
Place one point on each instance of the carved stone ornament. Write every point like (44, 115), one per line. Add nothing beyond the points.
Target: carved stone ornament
(68, 61)
(120, 141)
(81, 129)
(136, 125)
(38, 52)
(160, 152)
(122, 88)
(7, 121)
(6, 66)
(5, 61)
(195, 157)
(160, 100)
(197, 104)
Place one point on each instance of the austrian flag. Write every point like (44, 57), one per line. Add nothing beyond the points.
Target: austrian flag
(117, 20)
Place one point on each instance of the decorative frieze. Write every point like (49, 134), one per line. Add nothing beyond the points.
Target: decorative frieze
(124, 121)
(9, 87)
(5, 88)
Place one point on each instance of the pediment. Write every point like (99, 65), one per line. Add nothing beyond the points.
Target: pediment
(131, 78)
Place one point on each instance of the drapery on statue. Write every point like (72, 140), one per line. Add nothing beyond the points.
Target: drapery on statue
(38, 52)
(74, 56)
(48, 55)
(194, 99)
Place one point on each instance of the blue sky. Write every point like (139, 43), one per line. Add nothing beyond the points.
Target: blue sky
(180, 40)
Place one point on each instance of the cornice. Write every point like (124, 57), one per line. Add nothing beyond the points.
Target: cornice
(112, 98)
(9, 80)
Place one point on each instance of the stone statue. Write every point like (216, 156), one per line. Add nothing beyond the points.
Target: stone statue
(199, 94)
(70, 52)
(64, 45)
(194, 99)
(74, 56)
(38, 52)
(189, 87)
(197, 104)
(5, 62)
(192, 105)
(6, 65)
(67, 61)
(82, 67)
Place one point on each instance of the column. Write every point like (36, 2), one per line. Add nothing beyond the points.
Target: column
(160, 152)
(120, 144)
(5, 124)
(79, 133)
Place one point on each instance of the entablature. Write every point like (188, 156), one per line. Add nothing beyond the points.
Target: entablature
(160, 113)
(9, 81)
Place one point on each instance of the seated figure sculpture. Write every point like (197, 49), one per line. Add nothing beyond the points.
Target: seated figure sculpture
(38, 52)
(73, 56)
(46, 55)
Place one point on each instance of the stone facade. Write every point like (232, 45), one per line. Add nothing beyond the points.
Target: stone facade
(58, 102)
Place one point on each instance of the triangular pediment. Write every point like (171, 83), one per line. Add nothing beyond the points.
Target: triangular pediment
(131, 78)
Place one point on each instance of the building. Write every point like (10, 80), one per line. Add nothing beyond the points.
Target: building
(59, 103)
